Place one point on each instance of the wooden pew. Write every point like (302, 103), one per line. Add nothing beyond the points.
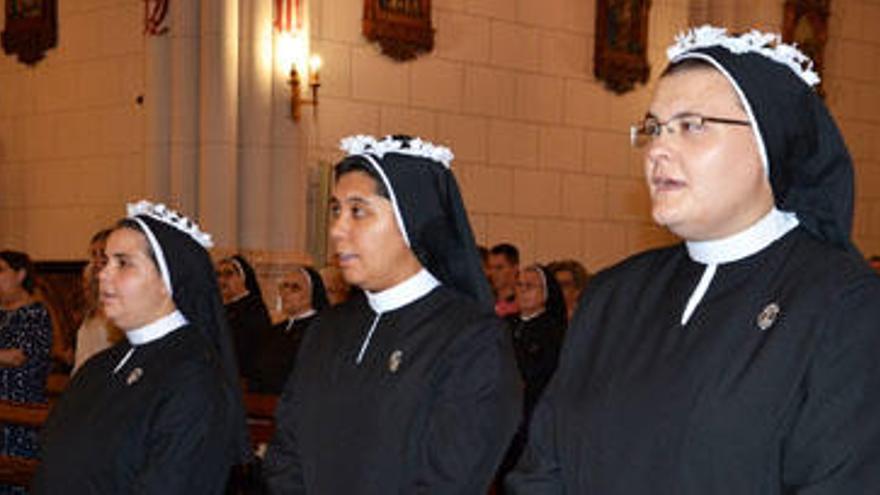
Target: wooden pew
(18, 470)
(56, 383)
(260, 410)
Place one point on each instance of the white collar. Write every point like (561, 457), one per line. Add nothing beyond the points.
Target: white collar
(403, 293)
(239, 297)
(761, 234)
(157, 329)
(302, 316)
(532, 316)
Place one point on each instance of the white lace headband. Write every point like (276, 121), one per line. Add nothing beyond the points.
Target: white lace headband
(769, 45)
(162, 213)
(170, 217)
(362, 145)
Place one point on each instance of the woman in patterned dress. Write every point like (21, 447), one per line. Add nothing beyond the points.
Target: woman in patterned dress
(25, 342)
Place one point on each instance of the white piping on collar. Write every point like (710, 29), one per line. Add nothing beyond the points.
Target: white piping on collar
(754, 239)
(761, 234)
(239, 297)
(532, 316)
(158, 253)
(699, 292)
(157, 329)
(124, 359)
(396, 297)
(302, 316)
(403, 293)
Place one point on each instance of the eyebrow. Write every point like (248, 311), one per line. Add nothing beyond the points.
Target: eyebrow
(351, 200)
(677, 115)
(121, 256)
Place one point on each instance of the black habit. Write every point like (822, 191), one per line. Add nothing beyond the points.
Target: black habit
(536, 342)
(772, 386)
(249, 322)
(277, 356)
(430, 409)
(156, 426)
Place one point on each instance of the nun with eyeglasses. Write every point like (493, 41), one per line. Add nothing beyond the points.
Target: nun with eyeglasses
(411, 385)
(745, 358)
(159, 412)
(301, 296)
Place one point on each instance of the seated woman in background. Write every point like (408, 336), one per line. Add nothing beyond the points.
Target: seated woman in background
(161, 411)
(245, 310)
(25, 341)
(302, 296)
(96, 332)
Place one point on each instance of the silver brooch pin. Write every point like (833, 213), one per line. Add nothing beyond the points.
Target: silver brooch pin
(394, 360)
(134, 376)
(767, 316)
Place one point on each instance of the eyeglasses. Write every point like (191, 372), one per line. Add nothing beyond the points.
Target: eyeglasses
(292, 286)
(686, 126)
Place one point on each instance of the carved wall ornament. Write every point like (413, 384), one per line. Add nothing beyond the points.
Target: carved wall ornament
(401, 27)
(31, 29)
(620, 58)
(805, 23)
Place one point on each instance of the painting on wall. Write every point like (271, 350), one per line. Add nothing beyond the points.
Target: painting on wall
(620, 58)
(805, 23)
(31, 29)
(401, 27)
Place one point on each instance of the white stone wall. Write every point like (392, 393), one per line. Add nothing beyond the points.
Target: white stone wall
(71, 134)
(542, 148)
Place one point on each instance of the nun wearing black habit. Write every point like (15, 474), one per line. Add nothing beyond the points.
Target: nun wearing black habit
(537, 332)
(743, 360)
(160, 412)
(411, 385)
(302, 296)
(246, 312)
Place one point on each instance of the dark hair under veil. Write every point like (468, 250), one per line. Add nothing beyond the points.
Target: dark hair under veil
(416, 177)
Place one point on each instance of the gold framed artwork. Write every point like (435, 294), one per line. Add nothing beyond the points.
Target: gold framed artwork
(401, 27)
(31, 29)
(805, 23)
(620, 58)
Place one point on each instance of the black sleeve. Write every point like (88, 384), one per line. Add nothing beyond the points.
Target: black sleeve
(539, 471)
(282, 467)
(475, 413)
(833, 447)
(187, 447)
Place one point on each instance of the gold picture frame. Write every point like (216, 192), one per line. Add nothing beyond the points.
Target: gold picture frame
(620, 58)
(401, 27)
(805, 23)
(31, 29)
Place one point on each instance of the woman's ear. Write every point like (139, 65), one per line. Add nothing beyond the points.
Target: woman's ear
(20, 275)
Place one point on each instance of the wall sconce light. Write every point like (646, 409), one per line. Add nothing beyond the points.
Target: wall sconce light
(296, 99)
